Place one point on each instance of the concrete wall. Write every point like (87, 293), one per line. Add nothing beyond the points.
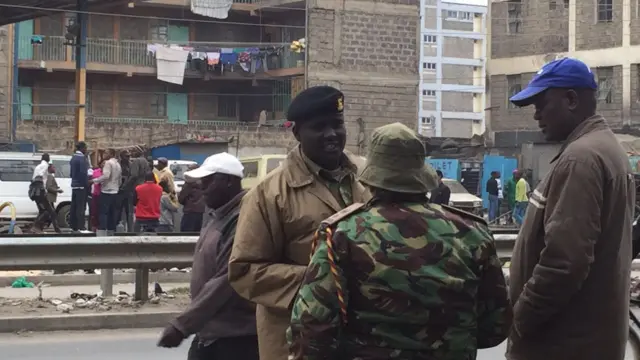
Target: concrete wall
(369, 50)
(101, 135)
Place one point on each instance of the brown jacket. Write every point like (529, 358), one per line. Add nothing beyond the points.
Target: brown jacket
(273, 243)
(569, 277)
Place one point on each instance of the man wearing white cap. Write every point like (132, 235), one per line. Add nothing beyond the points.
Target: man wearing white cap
(223, 322)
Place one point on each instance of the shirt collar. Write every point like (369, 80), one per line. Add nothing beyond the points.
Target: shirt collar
(336, 175)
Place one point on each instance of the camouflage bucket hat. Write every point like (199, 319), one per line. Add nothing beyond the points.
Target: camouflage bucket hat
(396, 161)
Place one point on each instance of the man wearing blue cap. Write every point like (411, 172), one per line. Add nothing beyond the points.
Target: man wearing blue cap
(569, 276)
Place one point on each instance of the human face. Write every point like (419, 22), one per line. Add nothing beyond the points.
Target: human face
(215, 190)
(322, 140)
(555, 113)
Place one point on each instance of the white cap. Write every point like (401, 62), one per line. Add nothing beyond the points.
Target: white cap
(223, 163)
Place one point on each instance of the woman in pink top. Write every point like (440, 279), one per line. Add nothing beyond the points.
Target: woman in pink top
(95, 197)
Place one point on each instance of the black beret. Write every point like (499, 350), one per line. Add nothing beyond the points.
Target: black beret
(314, 102)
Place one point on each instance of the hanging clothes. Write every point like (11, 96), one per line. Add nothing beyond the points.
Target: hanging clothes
(218, 9)
(171, 64)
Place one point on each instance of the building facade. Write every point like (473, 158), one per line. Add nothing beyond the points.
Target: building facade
(452, 68)
(525, 35)
(368, 49)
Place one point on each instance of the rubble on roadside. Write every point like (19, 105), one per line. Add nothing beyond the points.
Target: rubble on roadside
(87, 303)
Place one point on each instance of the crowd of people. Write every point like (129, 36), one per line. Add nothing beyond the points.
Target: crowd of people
(322, 260)
(123, 192)
(325, 260)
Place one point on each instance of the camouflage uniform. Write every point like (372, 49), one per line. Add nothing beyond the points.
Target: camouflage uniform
(419, 281)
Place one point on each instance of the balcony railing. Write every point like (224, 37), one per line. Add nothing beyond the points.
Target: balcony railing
(136, 53)
(271, 125)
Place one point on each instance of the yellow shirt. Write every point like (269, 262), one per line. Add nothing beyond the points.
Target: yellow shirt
(521, 191)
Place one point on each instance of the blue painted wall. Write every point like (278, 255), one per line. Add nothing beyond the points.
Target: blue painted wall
(450, 167)
(171, 152)
(491, 163)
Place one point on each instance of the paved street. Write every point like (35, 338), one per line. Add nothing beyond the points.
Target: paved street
(108, 345)
(114, 344)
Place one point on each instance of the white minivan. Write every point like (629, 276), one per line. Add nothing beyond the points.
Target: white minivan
(178, 167)
(16, 170)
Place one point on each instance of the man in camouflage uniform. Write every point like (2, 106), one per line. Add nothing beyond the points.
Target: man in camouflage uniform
(409, 280)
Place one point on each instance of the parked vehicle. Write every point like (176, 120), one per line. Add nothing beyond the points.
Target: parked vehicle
(257, 167)
(16, 170)
(462, 199)
(178, 167)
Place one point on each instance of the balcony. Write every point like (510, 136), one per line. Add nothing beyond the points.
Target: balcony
(134, 57)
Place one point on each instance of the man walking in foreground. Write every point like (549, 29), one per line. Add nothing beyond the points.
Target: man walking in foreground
(401, 262)
(224, 323)
(569, 276)
(272, 246)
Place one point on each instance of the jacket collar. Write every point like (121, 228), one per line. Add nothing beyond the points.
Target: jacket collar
(298, 174)
(594, 123)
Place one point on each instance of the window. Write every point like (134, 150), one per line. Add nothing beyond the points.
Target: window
(429, 66)
(514, 17)
(605, 84)
(566, 4)
(273, 164)
(430, 39)
(514, 86)
(159, 30)
(605, 10)
(63, 168)
(17, 170)
(250, 169)
(158, 105)
(452, 14)
(429, 120)
(552, 5)
(227, 106)
(429, 93)
(465, 16)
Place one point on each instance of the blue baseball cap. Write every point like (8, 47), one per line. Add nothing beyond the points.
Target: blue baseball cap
(563, 73)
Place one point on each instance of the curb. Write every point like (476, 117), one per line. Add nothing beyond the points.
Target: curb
(93, 279)
(87, 321)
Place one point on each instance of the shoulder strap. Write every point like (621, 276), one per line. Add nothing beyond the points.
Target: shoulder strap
(465, 214)
(337, 217)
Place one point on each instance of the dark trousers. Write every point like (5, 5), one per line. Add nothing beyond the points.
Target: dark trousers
(108, 205)
(124, 207)
(232, 348)
(191, 222)
(46, 214)
(78, 208)
(143, 225)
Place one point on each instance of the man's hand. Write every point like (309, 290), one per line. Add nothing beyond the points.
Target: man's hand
(60, 191)
(171, 337)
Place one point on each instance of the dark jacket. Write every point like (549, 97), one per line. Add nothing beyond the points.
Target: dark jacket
(492, 187)
(441, 194)
(79, 171)
(191, 198)
(138, 167)
(570, 270)
(216, 310)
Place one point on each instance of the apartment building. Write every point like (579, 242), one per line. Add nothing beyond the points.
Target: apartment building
(235, 69)
(452, 68)
(369, 49)
(525, 35)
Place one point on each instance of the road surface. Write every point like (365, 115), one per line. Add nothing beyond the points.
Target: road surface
(112, 345)
(108, 345)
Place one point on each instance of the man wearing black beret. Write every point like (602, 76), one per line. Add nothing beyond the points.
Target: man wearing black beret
(279, 216)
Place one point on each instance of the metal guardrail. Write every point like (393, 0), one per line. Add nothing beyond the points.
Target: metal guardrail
(113, 252)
